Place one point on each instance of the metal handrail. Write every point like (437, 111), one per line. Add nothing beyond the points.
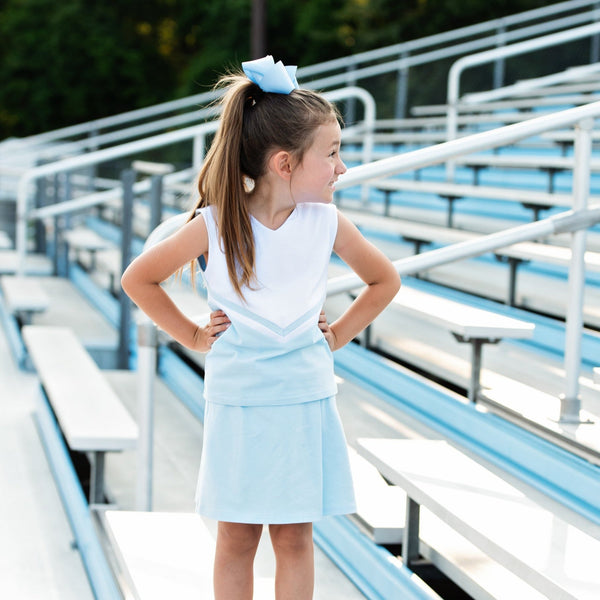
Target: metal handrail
(91, 127)
(136, 131)
(527, 86)
(501, 136)
(564, 222)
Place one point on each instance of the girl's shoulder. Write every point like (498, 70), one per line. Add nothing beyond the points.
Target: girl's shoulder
(317, 217)
(205, 211)
(317, 210)
(209, 214)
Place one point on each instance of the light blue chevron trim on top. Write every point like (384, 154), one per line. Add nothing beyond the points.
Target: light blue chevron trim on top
(228, 307)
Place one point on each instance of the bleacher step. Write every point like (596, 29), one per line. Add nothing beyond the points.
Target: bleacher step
(69, 308)
(35, 264)
(524, 535)
(540, 412)
(167, 555)
(381, 514)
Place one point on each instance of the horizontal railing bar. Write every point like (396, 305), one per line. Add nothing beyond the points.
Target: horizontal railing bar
(139, 113)
(106, 154)
(94, 199)
(139, 130)
(562, 223)
(437, 54)
(531, 85)
(526, 46)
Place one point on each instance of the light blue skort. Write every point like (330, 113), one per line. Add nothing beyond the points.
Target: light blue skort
(274, 464)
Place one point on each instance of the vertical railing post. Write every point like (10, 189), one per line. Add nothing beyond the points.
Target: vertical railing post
(156, 191)
(41, 200)
(92, 170)
(147, 342)
(127, 180)
(199, 150)
(368, 141)
(60, 224)
(499, 64)
(350, 112)
(56, 241)
(67, 193)
(570, 402)
(595, 41)
(452, 113)
(402, 89)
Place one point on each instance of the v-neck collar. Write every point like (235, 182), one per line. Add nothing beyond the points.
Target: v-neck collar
(290, 217)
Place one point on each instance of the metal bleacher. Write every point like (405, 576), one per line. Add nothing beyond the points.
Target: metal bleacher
(531, 417)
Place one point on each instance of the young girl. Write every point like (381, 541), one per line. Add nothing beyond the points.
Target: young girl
(274, 451)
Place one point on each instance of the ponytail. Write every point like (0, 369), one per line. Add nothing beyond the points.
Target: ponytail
(221, 183)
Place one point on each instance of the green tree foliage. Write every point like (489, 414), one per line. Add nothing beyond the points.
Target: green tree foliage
(208, 39)
(74, 60)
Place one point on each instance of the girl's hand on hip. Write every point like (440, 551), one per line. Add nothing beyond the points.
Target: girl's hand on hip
(327, 332)
(206, 335)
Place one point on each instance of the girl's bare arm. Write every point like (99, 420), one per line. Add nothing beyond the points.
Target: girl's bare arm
(375, 269)
(142, 278)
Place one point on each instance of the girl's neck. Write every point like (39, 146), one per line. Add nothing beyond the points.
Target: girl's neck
(271, 209)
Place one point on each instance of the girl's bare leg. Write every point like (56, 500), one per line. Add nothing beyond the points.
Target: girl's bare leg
(234, 560)
(294, 554)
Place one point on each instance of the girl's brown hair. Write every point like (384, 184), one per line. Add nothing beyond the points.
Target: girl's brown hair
(253, 125)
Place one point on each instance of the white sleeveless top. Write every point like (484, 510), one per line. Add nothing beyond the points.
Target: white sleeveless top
(273, 352)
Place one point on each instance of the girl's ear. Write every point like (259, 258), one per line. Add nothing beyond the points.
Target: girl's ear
(281, 163)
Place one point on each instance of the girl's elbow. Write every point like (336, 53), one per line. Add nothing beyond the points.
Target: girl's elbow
(395, 283)
(389, 286)
(127, 283)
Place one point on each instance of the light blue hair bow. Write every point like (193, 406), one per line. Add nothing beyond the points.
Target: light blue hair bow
(271, 76)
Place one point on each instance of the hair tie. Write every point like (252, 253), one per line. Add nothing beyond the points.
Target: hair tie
(254, 96)
(271, 76)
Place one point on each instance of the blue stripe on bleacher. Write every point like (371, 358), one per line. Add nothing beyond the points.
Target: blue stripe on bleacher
(100, 298)
(13, 335)
(182, 380)
(373, 570)
(533, 179)
(75, 503)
